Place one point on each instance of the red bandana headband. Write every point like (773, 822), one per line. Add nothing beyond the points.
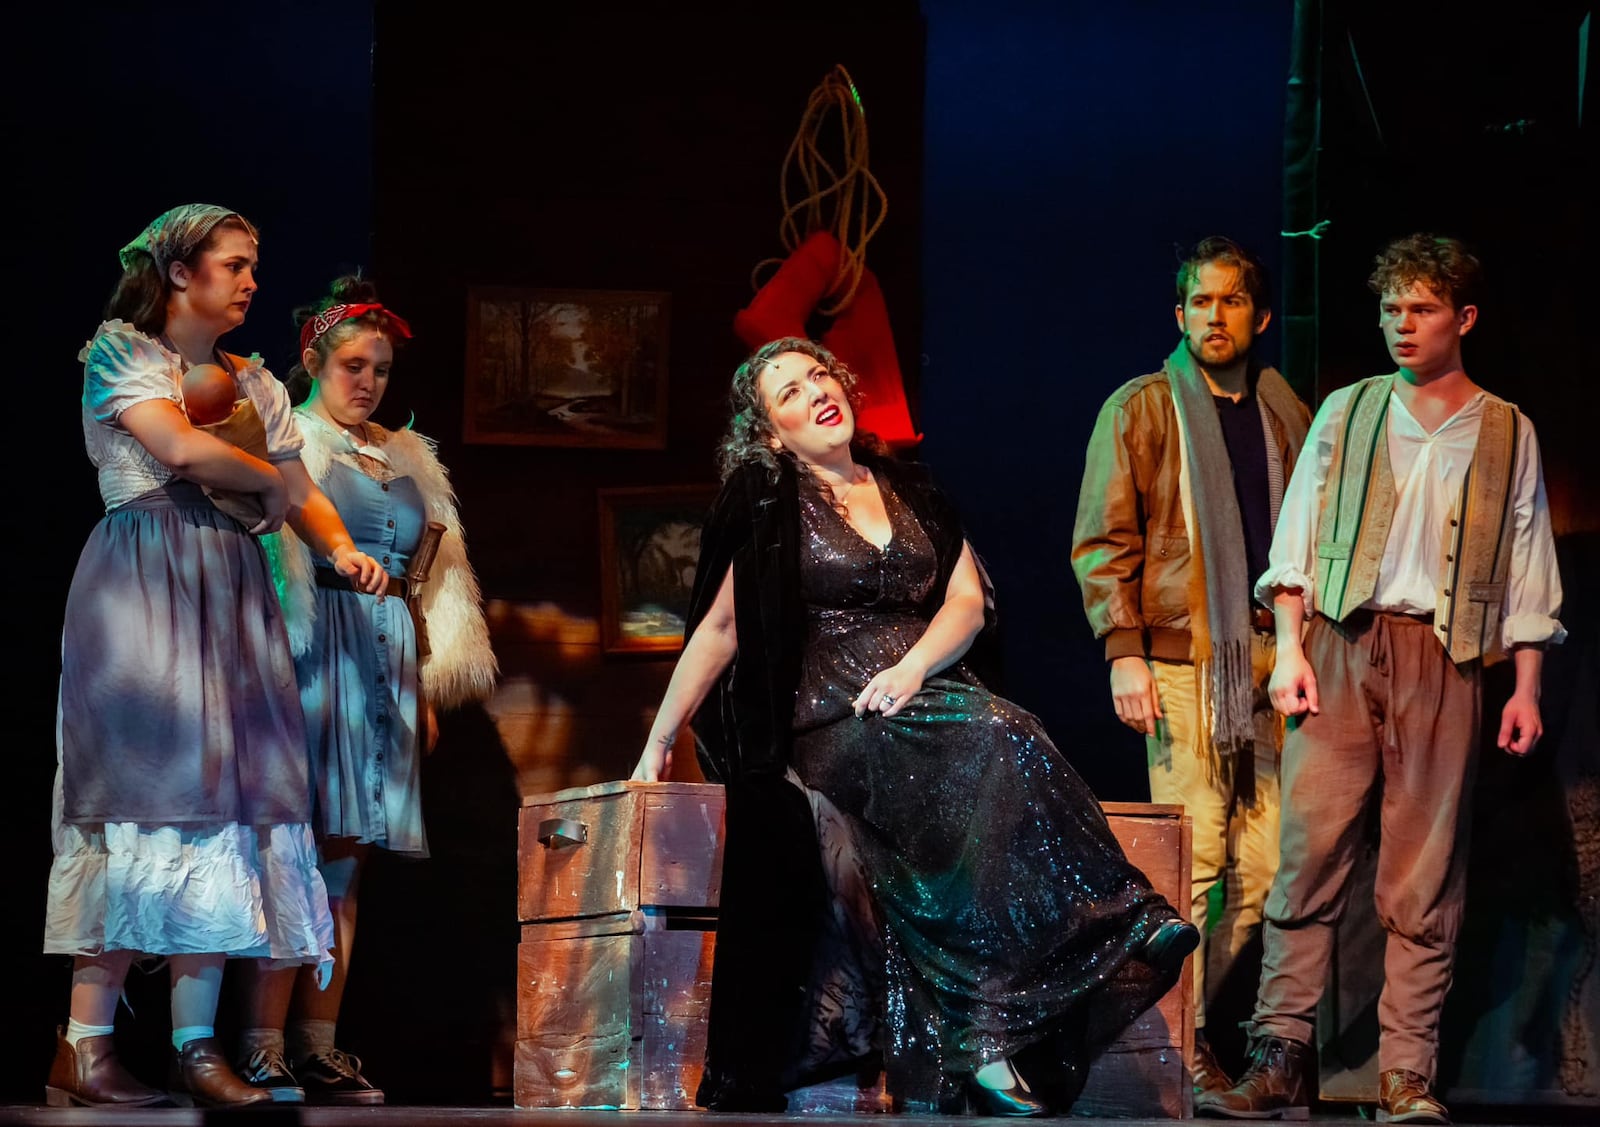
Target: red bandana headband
(321, 322)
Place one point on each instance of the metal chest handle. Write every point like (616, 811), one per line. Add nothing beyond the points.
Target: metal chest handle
(558, 833)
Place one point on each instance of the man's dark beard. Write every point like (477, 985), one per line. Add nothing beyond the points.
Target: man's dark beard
(1241, 357)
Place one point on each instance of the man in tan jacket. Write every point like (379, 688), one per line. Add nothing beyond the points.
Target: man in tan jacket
(1182, 483)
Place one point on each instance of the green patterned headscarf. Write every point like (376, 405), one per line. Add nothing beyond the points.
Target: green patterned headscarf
(173, 235)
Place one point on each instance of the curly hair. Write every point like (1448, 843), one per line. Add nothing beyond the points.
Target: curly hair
(1225, 252)
(751, 438)
(347, 289)
(1439, 262)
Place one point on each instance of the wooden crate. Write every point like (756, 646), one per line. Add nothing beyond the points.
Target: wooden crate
(619, 847)
(611, 1013)
(1142, 1074)
(617, 890)
(618, 886)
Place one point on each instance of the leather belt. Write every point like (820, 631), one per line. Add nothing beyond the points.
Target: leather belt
(397, 587)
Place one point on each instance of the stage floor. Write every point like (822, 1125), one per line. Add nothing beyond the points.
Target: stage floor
(408, 1116)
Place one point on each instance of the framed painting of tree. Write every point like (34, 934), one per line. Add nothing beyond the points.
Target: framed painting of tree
(566, 367)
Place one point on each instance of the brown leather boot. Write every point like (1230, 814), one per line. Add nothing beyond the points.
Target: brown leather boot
(1204, 1071)
(1273, 1087)
(1407, 1097)
(90, 1075)
(201, 1074)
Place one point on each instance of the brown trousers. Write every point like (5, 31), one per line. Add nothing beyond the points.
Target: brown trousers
(1398, 725)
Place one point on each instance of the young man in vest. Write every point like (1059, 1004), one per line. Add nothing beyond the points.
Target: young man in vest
(1182, 483)
(1417, 532)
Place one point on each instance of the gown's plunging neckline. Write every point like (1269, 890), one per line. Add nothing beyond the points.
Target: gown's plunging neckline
(883, 495)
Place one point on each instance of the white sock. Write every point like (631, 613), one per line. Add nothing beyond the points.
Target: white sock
(77, 1031)
(182, 1035)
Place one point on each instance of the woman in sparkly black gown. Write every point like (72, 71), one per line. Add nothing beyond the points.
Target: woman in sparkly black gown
(1006, 934)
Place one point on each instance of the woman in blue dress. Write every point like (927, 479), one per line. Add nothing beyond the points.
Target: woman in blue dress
(181, 817)
(373, 671)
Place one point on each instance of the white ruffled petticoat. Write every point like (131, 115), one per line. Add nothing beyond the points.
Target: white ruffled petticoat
(175, 890)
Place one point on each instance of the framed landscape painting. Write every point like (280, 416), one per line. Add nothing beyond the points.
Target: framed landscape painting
(649, 544)
(566, 367)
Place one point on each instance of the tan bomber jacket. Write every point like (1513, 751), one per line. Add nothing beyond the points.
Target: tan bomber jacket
(1130, 549)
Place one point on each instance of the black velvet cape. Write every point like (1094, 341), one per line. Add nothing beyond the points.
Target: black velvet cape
(773, 888)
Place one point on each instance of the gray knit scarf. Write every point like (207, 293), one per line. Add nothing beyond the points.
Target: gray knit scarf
(1219, 606)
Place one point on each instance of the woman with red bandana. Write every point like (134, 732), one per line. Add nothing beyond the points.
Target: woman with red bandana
(372, 671)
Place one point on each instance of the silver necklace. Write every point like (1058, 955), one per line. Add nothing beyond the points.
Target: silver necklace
(840, 495)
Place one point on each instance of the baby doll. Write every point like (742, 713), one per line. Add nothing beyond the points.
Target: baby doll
(211, 400)
(209, 394)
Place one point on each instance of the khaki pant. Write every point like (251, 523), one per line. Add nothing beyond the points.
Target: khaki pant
(1398, 725)
(1234, 814)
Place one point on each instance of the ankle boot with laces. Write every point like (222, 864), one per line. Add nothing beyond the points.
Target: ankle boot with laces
(1272, 1087)
(1205, 1072)
(1407, 1097)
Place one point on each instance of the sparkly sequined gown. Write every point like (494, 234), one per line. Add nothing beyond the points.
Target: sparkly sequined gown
(1008, 913)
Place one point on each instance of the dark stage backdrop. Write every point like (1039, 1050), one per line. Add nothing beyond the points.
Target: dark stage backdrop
(1067, 152)
(1070, 149)
(1073, 152)
(115, 113)
(605, 147)
(1041, 166)
(1486, 134)
(610, 147)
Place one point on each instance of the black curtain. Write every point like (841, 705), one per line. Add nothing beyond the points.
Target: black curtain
(1481, 128)
(1303, 225)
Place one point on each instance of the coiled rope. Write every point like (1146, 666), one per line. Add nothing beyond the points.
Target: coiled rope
(849, 203)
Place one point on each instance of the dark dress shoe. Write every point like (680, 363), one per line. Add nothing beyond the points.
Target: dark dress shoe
(202, 1075)
(1170, 945)
(1407, 1097)
(334, 1077)
(1015, 1102)
(266, 1069)
(90, 1075)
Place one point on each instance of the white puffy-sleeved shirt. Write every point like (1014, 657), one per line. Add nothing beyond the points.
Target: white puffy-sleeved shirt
(1428, 473)
(123, 366)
